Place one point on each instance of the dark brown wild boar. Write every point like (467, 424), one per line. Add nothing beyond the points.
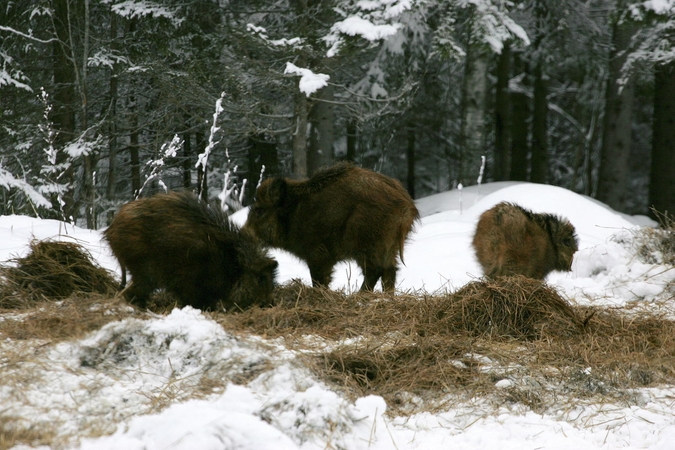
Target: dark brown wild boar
(511, 240)
(177, 242)
(342, 212)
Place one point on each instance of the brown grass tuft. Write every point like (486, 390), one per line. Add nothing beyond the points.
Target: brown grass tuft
(52, 270)
(511, 307)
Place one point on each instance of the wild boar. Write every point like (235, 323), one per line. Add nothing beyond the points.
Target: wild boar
(177, 242)
(343, 212)
(512, 240)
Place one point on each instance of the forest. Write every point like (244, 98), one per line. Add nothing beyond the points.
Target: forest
(103, 101)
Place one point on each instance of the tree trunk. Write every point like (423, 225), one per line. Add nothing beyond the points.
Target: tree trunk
(539, 168)
(64, 101)
(300, 137)
(352, 134)
(616, 134)
(186, 168)
(90, 160)
(519, 127)
(111, 190)
(261, 153)
(410, 154)
(134, 155)
(472, 131)
(134, 145)
(322, 133)
(502, 165)
(662, 181)
(112, 144)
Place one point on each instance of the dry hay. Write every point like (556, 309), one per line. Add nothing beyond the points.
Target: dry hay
(653, 245)
(52, 270)
(15, 430)
(70, 318)
(422, 346)
(512, 307)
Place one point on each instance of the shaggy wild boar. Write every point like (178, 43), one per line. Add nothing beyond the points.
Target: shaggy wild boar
(342, 212)
(177, 242)
(512, 240)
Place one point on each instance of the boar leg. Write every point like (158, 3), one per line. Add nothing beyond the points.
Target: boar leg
(138, 293)
(371, 274)
(389, 279)
(321, 273)
(123, 284)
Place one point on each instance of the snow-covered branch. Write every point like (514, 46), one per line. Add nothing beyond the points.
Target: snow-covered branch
(156, 166)
(8, 181)
(131, 9)
(372, 20)
(27, 36)
(203, 158)
(310, 82)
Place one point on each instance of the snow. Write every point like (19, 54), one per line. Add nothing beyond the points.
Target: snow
(310, 82)
(140, 8)
(660, 6)
(8, 181)
(358, 26)
(118, 374)
(372, 20)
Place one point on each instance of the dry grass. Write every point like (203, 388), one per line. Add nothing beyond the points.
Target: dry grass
(52, 270)
(14, 431)
(57, 292)
(462, 343)
(655, 245)
(70, 318)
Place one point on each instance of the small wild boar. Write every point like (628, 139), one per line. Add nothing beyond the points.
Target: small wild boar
(511, 240)
(342, 212)
(177, 242)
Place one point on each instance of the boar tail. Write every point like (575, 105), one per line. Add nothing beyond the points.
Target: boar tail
(401, 243)
(411, 215)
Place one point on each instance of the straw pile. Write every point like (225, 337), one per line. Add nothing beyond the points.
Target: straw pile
(52, 270)
(463, 343)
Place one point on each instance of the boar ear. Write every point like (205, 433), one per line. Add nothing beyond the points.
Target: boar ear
(272, 191)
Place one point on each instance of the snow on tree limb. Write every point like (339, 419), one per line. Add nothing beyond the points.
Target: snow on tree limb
(11, 77)
(372, 20)
(156, 166)
(8, 181)
(203, 158)
(310, 82)
(283, 42)
(494, 24)
(27, 36)
(139, 8)
(358, 26)
(653, 44)
(659, 7)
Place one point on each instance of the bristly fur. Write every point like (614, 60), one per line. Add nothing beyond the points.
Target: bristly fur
(343, 212)
(177, 242)
(512, 240)
(323, 178)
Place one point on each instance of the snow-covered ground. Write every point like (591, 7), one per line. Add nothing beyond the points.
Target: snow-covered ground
(92, 381)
